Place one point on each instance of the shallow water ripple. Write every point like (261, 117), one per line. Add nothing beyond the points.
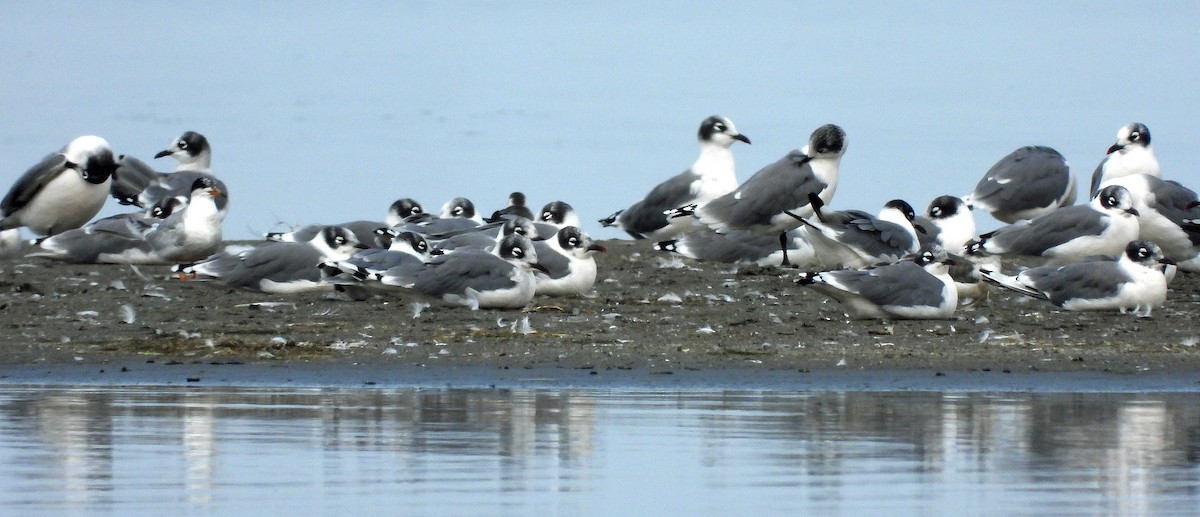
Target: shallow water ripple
(158, 450)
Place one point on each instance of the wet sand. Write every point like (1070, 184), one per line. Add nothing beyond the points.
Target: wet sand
(652, 317)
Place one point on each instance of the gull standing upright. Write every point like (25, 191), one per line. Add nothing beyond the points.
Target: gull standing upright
(712, 175)
(138, 184)
(1069, 234)
(1131, 154)
(776, 198)
(1133, 282)
(63, 191)
(1028, 182)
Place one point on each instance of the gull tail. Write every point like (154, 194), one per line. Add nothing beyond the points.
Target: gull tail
(1011, 283)
(611, 220)
(683, 211)
(671, 246)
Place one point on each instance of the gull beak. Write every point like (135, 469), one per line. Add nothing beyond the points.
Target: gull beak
(742, 138)
(597, 247)
(1115, 148)
(920, 228)
(1133, 211)
(166, 152)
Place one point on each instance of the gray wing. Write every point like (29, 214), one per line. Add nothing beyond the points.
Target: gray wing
(1177, 203)
(276, 261)
(169, 232)
(1083, 280)
(731, 247)
(131, 178)
(109, 236)
(903, 284)
(647, 215)
(1050, 230)
(32, 182)
(1030, 177)
(363, 230)
(1098, 176)
(557, 265)
(180, 184)
(382, 260)
(440, 225)
(459, 271)
(932, 231)
(783, 185)
(477, 240)
(873, 236)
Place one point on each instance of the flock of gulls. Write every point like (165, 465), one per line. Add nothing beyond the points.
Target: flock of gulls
(1116, 252)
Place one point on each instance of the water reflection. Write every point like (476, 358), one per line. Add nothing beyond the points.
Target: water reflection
(596, 452)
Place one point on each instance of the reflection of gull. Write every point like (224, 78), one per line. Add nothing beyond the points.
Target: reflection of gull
(1139, 447)
(199, 445)
(66, 422)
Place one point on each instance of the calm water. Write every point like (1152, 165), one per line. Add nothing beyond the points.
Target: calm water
(329, 111)
(238, 451)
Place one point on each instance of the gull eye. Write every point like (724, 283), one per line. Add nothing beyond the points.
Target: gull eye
(458, 210)
(1135, 136)
(416, 210)
(519, 230)
(719, 126)
(517, 252)
(182, 144)
(573, 241)
(546, 216)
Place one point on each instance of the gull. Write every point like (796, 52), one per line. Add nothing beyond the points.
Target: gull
(1134, 282)
(191, 232)
(501, 279)
(1028, 182)
(948, 223)
(63, 191)
(777, 197)
(568, 266)
(277, 267)
(1131, 154)
(852, 238)
(1068, 234)
(711, 175)
(917, 288)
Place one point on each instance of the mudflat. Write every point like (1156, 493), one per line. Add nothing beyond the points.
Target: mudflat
(649, 313)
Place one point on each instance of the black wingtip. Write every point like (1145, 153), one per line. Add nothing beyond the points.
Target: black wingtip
(817, 204)
(683, 211)
(611, 220)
